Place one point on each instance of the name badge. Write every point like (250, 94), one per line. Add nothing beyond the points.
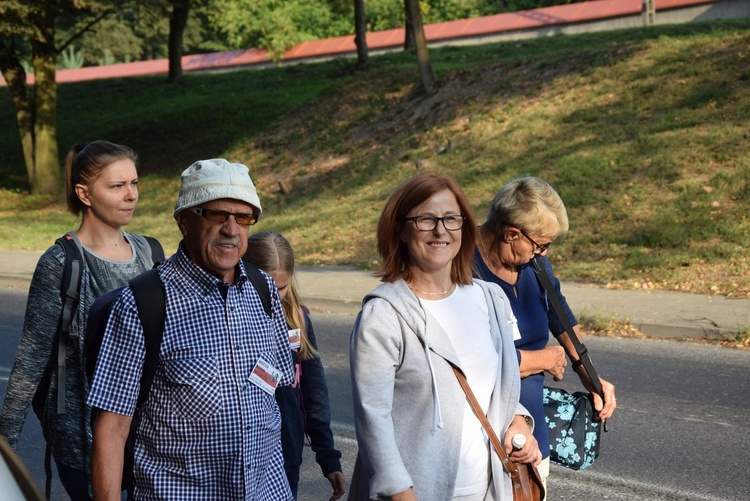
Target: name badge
(265, 376)
(516, 332)
(294, 339)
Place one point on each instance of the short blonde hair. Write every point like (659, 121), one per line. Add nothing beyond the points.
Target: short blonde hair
(531, 205)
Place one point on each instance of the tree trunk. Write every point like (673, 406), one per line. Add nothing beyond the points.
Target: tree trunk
(423, 55)
(45, 176)
(177, 22)
(408, 28)
(360, 37)
(15, 78)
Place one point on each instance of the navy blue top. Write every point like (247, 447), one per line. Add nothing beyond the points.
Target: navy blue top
(305, 410)
(536, 318)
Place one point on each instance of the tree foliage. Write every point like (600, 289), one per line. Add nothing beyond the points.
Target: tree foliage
(35, 33)
(278, 25)
(114, 36)
(389, 14)
(28, 31)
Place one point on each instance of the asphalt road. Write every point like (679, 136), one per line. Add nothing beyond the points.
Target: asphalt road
(679, 431)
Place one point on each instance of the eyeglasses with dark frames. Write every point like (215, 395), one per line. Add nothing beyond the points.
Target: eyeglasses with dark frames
(541, 248)
(429, 223)
(221, 216)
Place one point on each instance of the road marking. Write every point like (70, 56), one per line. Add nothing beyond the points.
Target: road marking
(602, 482)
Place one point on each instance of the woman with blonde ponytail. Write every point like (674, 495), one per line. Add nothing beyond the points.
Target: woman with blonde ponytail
(305, 405)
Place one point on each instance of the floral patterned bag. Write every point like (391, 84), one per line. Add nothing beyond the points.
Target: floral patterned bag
(574, 427)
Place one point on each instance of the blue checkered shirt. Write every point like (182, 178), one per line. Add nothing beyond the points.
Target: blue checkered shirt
(206, 431)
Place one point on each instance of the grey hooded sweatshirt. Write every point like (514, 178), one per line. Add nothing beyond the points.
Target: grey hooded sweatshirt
(408, 404)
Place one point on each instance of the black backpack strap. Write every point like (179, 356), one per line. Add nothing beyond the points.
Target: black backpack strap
(157, 251)
(47, 471)
(258, 280)
(70, 291)
(150, 299)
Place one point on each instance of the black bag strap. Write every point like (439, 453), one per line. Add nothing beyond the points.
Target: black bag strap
(554, 298)
(71, 292)
(259, 282)
(150, 299)
(157, 251)
(151, 302)
(47, 472)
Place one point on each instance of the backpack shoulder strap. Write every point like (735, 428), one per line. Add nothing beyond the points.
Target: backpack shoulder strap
(72, 273)
(259, 282)
(150, 299)
(151, 302)
(70, 293)
(157, 251)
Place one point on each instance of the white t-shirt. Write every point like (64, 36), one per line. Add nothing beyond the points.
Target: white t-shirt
(465, 318)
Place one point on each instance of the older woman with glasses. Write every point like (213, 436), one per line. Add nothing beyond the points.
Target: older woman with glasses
(417, 435)
(525, 217)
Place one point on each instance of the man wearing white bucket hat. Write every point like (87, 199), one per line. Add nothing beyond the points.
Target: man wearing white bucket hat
(210, 427)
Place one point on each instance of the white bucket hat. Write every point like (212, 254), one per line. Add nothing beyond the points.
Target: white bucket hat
(215, 179)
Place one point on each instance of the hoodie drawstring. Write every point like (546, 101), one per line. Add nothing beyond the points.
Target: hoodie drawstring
(437, 414)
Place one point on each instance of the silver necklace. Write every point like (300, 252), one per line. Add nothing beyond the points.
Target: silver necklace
(441, 293)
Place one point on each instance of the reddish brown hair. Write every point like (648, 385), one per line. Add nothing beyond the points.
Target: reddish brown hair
(410, 194)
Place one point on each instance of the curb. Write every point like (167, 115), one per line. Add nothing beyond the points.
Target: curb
(655, 313)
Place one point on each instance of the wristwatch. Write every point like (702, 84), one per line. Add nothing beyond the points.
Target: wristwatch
(529, 422)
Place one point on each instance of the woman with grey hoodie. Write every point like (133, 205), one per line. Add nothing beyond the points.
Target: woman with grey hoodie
(417, 435)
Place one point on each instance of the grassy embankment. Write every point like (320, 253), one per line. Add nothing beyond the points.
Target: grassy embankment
(645, 133)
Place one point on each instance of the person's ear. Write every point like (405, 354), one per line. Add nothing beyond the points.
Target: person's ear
(82, 192)
(181, 223)
(511, 234)
(402, 235)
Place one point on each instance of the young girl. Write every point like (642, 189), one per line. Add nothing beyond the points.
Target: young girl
(102, 187)
(304, 406)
